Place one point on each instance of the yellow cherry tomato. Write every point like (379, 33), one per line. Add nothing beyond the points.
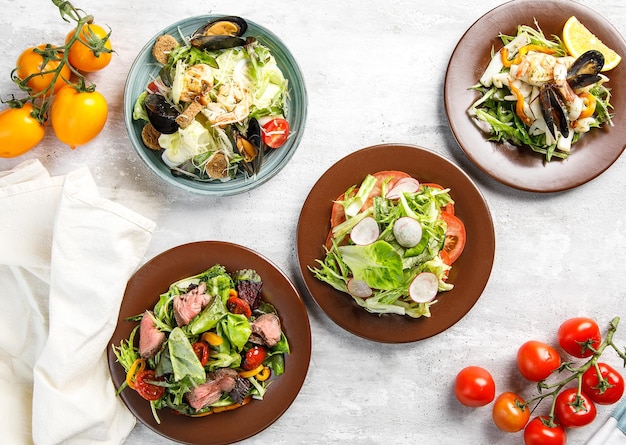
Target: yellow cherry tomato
(19, 131)
(32, 63)
(82, 55)
(78, 117)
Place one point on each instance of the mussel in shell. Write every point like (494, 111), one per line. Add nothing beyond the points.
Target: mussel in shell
(161, 114)
(554, 110)
(222, 33)
(586, 69)
(250, 146)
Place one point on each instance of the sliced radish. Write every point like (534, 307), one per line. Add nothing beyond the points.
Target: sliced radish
(359, 288)
(408, 231)
(365, 231)
(404, 185)
(424, 287)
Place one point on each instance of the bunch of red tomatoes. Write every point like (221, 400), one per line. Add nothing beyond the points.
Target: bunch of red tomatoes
(573, 398)
(57, 91)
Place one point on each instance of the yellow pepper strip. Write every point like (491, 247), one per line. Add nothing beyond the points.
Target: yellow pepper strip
(264, 374)
(504, 53)
(589, 103)
(252, 372)
(212, 338)
(519, 105)
(137, 366)
(233, 293)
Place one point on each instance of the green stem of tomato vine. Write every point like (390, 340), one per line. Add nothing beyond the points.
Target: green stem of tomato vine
(41, 100)
(576, 372)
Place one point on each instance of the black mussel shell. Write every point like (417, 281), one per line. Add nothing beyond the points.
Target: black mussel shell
(586, 69)
(161, 113)
(554, 110)
(228, 25)
(214, 43)
(167, 75)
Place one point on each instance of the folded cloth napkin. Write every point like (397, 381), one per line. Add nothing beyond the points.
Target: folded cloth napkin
(613, 432)
(66, 254)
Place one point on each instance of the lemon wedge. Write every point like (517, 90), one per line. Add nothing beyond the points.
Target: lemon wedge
(578, 39)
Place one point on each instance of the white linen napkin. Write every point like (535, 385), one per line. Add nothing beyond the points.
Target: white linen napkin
(613, 432)
(66, 254)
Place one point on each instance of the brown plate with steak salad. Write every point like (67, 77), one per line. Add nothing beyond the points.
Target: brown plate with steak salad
(206, 328)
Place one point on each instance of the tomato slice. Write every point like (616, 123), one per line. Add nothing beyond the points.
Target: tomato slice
(275, 132)
(146, 389)
(455, 236)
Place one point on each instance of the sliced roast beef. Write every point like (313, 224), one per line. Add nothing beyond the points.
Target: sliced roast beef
(189, 305)
(266, 330)
(249, 284)
(150, 338)
(219, 381)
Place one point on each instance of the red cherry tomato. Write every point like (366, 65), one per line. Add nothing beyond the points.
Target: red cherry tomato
(238, 305)
(579, 336)
(607, 392)
(474, 386)
(254, 357)
(275, 132)
(202, 351)
(146, 389)
(537, 360)
(510, 412)
(572, 410)
(540, 432)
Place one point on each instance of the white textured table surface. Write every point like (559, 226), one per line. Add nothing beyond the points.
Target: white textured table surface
(374, 73)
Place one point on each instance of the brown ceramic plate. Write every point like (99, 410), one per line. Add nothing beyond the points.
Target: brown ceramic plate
(154, 278)
(469, 274)
(517, 167)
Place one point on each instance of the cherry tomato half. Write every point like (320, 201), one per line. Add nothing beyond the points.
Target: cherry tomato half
(579, 336)
(19, 131)
(455, 236)
(474, 386)
(607, 392)
(81, 55)
(31, 62)
(202, 351)
(275, 132)
(254, 357)
(572, 410)
(540, 432)
(537, 360)
(510, 412)
(146, 389)
(78, 117)
(238, 305)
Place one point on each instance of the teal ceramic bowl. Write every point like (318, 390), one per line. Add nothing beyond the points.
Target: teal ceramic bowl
(145, 68)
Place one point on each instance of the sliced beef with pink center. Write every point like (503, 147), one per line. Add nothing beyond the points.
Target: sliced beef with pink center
(189, 305)
(150, 338)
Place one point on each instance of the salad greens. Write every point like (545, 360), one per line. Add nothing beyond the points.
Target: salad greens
(233, 87)
(178, 367)
(506, 90)
(384, 266)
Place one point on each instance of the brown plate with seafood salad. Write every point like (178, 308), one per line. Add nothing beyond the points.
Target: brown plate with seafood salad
(469, 273)
(154, 279)
(227, 111)
(515, 166)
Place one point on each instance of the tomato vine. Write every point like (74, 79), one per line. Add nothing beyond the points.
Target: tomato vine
(41, 100)
(576, 374)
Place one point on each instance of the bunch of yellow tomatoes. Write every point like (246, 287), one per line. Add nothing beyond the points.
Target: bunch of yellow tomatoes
(57, 90)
